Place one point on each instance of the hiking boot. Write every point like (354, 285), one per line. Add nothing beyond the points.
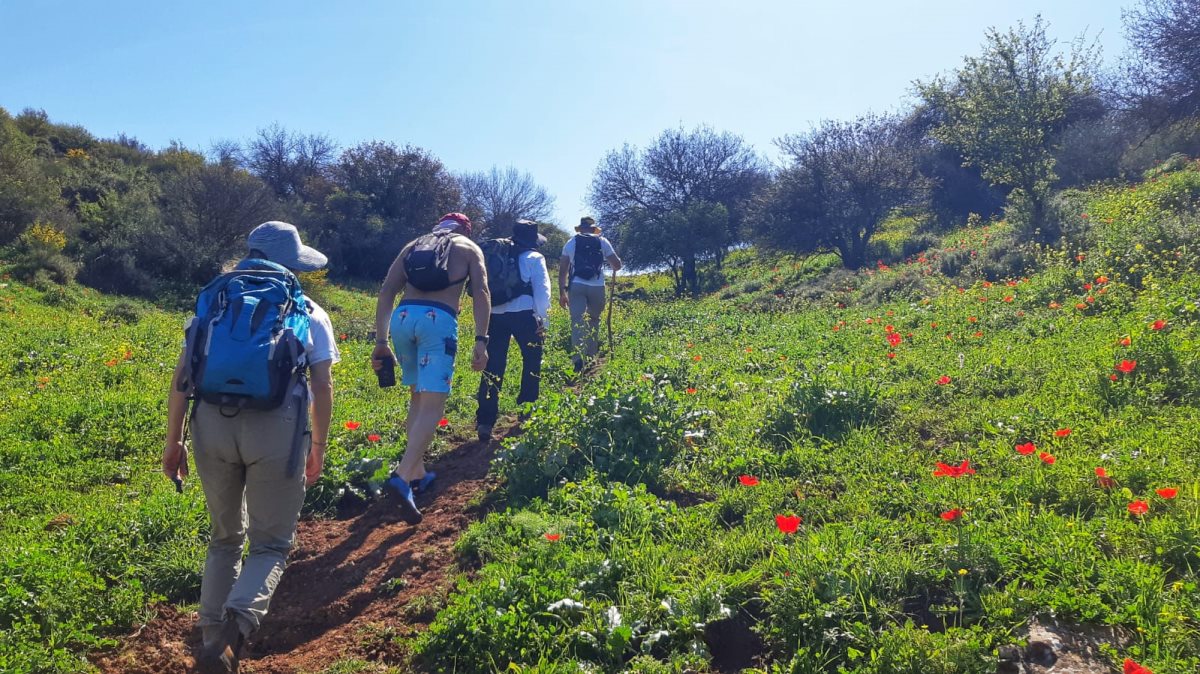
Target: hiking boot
(485, 432)
(223, 654)
(402, 492)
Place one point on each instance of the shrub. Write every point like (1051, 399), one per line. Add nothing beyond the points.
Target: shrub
(38, 256)
(627, 436)
(824, 405)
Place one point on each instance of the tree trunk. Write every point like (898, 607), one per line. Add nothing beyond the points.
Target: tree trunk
(689, 274)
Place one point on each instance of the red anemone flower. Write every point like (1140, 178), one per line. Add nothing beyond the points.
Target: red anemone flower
(1158, 325)
(1125, 341)
(1138, 507)
(788, 524)
(1054, 305)
(894, 338)
(690, 391)
(1087, 286)
(972, 319)
(553, 537)
(889, 328)
(943, 380)
(444, 422)
(1126, 366)
(110, 363)
(1102, 279)
(697, 358)
(748, 480)
(1062, 432)
(343, 336)
(952, 515)
(946, 470)
(1047, 458)
(353, 425)
(1008, 298)
(1026, 449)
(1167, 492)
(373, 437)
(1132, 667)
(891, 354)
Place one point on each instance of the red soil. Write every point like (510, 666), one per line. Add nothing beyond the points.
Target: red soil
(335, 601)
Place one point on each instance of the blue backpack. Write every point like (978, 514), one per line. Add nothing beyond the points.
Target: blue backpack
(245, 347)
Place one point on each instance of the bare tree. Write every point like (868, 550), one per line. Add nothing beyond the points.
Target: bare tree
(1165, 70)
(287, 161)
(500, 197)
(843, 180)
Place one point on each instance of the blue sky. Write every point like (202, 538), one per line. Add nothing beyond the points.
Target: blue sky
(547, 87)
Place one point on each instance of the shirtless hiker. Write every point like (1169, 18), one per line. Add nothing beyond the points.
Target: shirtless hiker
(430, 271)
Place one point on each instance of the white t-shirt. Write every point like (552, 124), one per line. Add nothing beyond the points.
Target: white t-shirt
(606, 250)
(322, 344)
(532, 267)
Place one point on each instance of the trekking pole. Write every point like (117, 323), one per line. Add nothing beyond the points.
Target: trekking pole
(611, 301)
(187, 431)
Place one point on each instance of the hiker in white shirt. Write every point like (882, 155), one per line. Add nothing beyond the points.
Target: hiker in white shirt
(523, 318)
(582, 262)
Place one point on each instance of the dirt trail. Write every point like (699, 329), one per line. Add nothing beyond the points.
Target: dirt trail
(351, 584)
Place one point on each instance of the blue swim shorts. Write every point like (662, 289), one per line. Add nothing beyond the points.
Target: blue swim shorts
(425, 338)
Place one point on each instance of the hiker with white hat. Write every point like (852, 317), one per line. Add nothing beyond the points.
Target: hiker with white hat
(256, 363)
(582, 262)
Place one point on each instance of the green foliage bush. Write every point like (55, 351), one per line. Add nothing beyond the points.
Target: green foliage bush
(626, 435)
(825, 404)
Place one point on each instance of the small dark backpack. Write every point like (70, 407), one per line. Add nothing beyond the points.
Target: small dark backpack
(500, 256)
(427, 263)
(588, 256)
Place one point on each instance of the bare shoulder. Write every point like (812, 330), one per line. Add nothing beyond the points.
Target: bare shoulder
(467, 246)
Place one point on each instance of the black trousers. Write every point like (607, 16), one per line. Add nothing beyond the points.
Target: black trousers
(522, 326)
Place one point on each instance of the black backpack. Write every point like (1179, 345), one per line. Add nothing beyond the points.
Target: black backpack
(588, 256)
(427, 264)
(500, 256)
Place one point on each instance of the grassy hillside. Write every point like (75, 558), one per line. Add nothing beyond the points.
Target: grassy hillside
(646, 512)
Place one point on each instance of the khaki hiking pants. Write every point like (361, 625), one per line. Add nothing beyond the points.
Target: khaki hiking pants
(251, 466)
(585, 334)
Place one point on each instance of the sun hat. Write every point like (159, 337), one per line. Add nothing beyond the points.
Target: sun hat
(588, 223)
(452, 220)
(525, 234)
(280, 243)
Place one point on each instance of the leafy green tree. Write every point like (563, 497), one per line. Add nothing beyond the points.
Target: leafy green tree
(383, 196)
(26, 193)
(1004, 109)
(681, 174)
(842, 180)
(207, 212)
(675, 240)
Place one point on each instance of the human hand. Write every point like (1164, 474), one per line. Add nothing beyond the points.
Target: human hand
(381, 352)
(314, 464)
(174, 461)
(479, 357)
(563, 300)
